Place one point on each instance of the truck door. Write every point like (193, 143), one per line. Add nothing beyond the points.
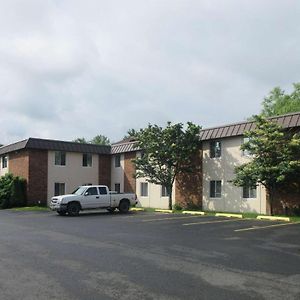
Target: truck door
(104, 196)
(91, 198)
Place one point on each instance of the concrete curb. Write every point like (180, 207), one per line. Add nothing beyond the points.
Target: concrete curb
(137, 209)
(229, 215)
(164, 211)
(271, 218)
(190, 212)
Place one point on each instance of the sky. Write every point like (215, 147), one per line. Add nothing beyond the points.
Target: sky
(74, 68)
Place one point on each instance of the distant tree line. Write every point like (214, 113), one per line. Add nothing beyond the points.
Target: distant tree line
(97, 140)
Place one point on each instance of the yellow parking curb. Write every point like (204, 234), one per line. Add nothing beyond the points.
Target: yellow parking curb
(229, 215)
(164, 210)
(137, 209)
(191, 212)
(272, 218)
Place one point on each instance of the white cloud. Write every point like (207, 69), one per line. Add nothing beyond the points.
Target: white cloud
(79, 68)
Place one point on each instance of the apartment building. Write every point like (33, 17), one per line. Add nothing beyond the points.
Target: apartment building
(210, 185)
(57, 167)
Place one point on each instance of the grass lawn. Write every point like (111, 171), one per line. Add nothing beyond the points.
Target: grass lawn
(245, 215)
(31, 208)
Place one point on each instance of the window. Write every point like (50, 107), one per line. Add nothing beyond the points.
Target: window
(60, 158)
(249, 192)
(59, 188)
(215, 149)
(102, 190)
(86, 160)
(164, 192)
(4, 162)
(144, 189)
(245, 152)
(117, 187)
(117, 161)
(91, 191)
(215, 189)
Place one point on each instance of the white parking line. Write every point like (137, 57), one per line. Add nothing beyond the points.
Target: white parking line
(263, 227)
(172, 218)
(210, 222)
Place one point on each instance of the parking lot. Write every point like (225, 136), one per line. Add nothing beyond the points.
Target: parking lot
(146, 256)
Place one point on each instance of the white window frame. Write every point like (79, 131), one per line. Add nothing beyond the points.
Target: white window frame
(250, 192)
(58, 160)
(144, 188)
(59, 188)
(119, 189)
(245, 153)
(88, 159)
(213, 193)
(214, 151)
(4, 162)
(163, 191)
(117, 160)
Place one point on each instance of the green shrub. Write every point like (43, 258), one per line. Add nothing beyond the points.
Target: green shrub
(177, 206)
(12, 191)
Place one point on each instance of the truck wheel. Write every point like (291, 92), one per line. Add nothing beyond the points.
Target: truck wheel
(62, 213)
(111, 210)
(124, 206)
(73, 209)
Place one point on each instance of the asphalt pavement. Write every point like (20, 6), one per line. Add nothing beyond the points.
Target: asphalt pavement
(146, 256)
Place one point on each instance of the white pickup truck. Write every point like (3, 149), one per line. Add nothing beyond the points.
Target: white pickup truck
(92, 197)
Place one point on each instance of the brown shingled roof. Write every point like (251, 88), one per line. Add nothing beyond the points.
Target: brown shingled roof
(123, 147)
(45, 144)
(236, 129)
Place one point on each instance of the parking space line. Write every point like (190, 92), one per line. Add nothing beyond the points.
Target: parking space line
(210, 222)
(263, 227)
(172, 218)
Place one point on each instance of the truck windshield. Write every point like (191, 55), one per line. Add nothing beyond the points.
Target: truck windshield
(79, 191)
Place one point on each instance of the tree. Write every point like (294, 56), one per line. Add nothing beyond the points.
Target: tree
(12, 191)
(100, 140)
(278, 102)
(81, 140)
(275, 157)
(166, 152)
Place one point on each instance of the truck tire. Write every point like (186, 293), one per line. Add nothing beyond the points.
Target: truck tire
(73, 209)
(124, 206)
(62, 213)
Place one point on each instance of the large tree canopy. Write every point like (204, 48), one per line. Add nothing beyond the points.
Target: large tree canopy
(166, 152)
(278, 102)
(275, 157)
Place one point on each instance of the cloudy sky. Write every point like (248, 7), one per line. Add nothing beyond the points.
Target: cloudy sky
(72, 68)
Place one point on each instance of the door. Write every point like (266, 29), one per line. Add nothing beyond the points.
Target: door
(91, 198)
(104, 196)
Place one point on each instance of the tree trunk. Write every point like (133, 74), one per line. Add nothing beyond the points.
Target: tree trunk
(169, 190)
(271, 198)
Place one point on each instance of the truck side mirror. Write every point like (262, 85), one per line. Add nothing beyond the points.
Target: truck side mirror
(86, 193)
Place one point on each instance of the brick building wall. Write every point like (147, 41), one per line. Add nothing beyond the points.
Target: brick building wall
(105, 170)
(129, 171)
(32, 165)
(19, 164)
(188, 186)
(38, 177)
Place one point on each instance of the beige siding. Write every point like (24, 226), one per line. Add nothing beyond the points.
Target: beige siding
(73, 174)
(117, 173)
(154, 199)
(223, 169)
